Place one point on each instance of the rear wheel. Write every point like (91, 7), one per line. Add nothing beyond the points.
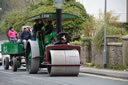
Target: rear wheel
(6, 63)
(14, 64)
(32, 64)
(19, 62)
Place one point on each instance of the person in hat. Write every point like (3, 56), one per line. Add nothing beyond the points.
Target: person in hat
(12, 34)
(49, 28)
(25, 35)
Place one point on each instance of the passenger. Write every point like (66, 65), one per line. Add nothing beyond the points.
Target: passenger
(30, 29)
(25, 35)
(7, 33)
(49, 28)
(12, 34)
(21, 31)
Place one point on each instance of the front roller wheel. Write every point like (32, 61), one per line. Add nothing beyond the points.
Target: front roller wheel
(32, 64)
(68, 62)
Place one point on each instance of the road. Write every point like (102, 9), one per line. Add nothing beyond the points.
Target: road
(21, 77)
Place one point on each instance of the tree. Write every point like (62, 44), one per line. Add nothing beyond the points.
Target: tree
(111, 19)
(16, 18)
(89, 27)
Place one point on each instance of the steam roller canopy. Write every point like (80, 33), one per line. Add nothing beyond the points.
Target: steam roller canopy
(62, 58)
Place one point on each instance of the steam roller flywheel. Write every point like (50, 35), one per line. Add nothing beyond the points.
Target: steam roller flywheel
(64, 62)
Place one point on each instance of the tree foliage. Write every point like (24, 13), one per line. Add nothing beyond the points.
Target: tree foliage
(16, 17)
(113, 28)
(111, 19)
(89, 27)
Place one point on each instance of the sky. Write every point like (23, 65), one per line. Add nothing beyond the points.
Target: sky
(117, 6)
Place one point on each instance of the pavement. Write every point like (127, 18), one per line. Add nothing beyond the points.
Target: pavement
(105, 72)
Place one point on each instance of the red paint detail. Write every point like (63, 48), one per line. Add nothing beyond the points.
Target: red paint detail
(38, 35)
(46, 39)
(63, 41)
(81, 63)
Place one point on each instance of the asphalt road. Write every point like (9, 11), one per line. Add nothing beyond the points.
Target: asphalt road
(21, 77)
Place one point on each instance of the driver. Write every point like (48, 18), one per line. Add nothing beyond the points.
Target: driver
(37, 27)
(49, 28)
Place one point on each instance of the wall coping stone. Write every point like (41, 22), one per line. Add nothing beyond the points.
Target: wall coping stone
(113, 36)
(114, 44)
(125, 37)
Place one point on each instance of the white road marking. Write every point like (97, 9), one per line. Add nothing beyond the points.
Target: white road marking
(6, 72)
(60, 83)
(105, 77)
(32, 77)
(20, 81)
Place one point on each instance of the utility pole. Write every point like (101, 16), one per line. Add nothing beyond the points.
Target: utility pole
(105, 41)
(0, 13)
(127, 11)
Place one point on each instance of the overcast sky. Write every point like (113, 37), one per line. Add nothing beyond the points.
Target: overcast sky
(117, 6)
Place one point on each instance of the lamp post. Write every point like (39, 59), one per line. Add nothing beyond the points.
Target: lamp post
(58, 4)
(0, 13)
(0, 9)
(105, 41)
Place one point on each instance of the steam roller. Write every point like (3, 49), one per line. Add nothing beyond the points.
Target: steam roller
(52, 51)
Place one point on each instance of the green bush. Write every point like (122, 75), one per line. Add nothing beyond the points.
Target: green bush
(87, 41)
(119, 67)
(98, 39)
(76, 42)
(89, 64)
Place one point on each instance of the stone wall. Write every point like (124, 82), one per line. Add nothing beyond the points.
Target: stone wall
(113, 38)
(114, 54)
(97, 56)
(117, 53)
(125, 50)
(83, 54)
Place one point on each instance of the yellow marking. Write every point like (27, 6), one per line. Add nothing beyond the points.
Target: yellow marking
(105, 77)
